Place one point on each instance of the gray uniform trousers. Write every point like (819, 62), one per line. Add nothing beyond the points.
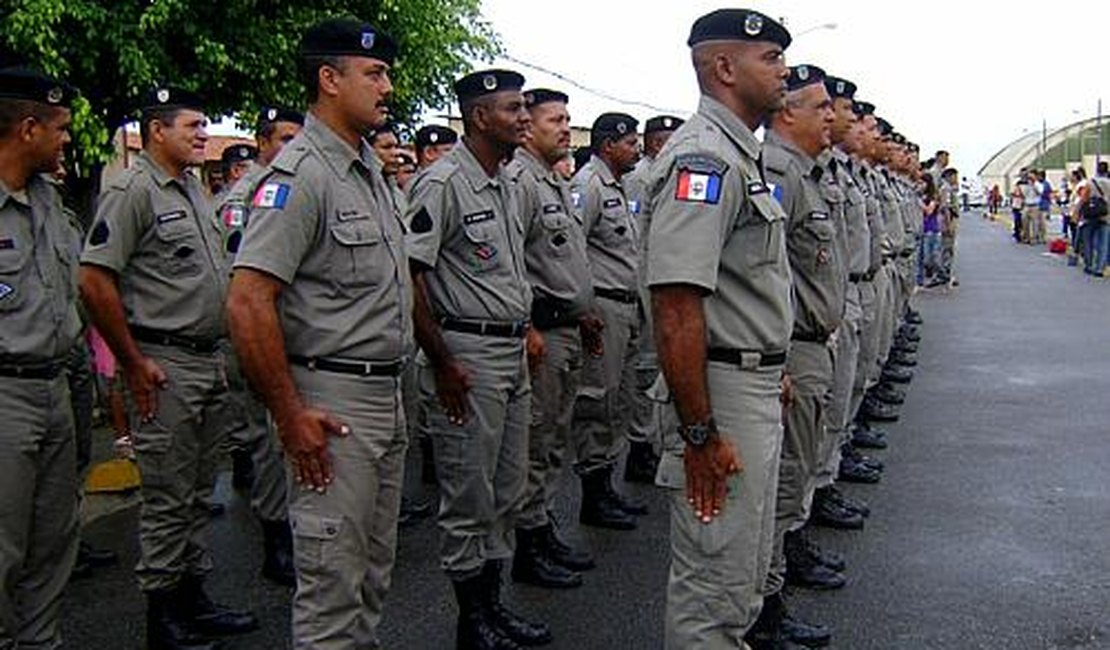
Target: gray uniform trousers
(178, 453)
(884, 294)
(252, 431)
(38, 509)
(644, 425)
(867, 366)
(81, 394)
(554, 387)
(345, 539)
(602, 411)
(810, 366)
(845, 361)
(714, 590)
(482, 466)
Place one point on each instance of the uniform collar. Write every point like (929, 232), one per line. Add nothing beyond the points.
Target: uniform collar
(807, 163)
(733, 127)
(6, 194)
(473, 170)
(161, 177)
(601, 168)
(535, 165)
(336, 152)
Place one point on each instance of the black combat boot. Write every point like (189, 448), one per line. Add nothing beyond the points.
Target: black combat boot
(625, 502)
(168, 626)
(847, 502)
(903, 359)
(802, 570)
(532, 564)
(598, 508)
(776, 625)
(514, 627)
(829, 513)
(888, 394)
(242, 469)
(277, 565)
(211, 618)
(641, 464)
(474, 630)
(563, 553)
(868, 437)
(852, 472)
(913, 317)
(896, 374)
(873, 410)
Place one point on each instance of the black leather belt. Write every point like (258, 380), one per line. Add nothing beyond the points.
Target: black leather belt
(856, 278)
(549, 312)
(513, 330)
(736, 357)
(908, 253)
(350, 366)
(809, 338)
(48, 370)
(147, 335)
(619, 295)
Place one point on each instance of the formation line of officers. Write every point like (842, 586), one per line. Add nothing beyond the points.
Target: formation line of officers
(733, 313)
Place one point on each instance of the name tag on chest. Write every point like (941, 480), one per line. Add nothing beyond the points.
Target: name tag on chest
(552, 208)
(478, 217)
(170, 217)
(611, 203)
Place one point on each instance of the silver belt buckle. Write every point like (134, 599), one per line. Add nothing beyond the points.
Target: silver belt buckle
(750, 360)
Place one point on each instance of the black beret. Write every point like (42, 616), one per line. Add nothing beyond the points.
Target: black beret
(486, 82)
(804, 75)
(662, 123)
(272, 114)
(238, 153)
(406, 158)
(615, 125)
(863, 108)
(168, 97)
(840, 88)
(20, 82)
(537, 96)
(898, 138)
(348, 37)
(434, 134)
(885, 129)
(738, 25)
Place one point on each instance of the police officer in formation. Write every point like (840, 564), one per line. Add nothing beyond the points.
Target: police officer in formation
(739, 311)
(257, 462)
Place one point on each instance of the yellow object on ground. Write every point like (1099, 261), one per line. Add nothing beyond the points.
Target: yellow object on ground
(118, 475)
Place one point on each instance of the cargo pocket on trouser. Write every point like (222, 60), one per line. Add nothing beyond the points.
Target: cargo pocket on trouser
(152, 442)
(315, 540)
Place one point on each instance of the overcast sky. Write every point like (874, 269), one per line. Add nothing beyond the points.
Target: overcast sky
(965, 76)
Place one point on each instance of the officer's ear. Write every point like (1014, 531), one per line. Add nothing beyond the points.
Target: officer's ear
(328, 74)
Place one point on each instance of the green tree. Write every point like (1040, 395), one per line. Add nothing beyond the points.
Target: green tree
(239, 54)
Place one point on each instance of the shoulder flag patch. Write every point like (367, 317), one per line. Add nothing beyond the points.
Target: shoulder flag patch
(271, 195)
(6, 290)
(776, 191)
(698, 187)
(234, 216)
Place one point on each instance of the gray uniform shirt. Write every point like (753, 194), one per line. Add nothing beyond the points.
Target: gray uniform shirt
(555, 246)
(892, 212)
(38, 275)
(160, 235)
(858, 232)
(819, 276)
(716, 226)
(322, 222)
(880, 247)
(635, 185)
(466, 227)
(611, 240)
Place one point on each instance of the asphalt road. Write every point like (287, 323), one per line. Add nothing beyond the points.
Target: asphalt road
(990, 527)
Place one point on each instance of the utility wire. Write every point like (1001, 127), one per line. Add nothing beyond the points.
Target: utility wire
(592, 91)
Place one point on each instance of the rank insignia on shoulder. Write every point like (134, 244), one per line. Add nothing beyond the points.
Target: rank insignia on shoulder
(272, 195)
(6, 290)
(697, 187)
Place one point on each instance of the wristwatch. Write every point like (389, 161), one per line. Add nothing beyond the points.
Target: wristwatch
(698, 434)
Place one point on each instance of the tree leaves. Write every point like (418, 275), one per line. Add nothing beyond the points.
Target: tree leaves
(240, 54)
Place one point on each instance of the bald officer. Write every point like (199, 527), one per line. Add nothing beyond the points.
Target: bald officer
(605, 398)
(153, 280)
(720, 282)
(473, 299)
(643, 456)
(320, 316)
(562, 304)
(38, 304)
(257, 462)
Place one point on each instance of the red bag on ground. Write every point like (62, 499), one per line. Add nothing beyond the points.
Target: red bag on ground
(1058, 246)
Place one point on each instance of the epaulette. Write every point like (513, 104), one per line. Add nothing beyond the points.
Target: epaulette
(123, 180)
(291, 157)
(776, 159)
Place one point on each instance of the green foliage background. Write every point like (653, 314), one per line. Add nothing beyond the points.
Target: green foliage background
(240, 54)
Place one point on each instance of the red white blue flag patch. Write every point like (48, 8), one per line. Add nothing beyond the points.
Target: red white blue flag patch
(271, 195)
(698, 187)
